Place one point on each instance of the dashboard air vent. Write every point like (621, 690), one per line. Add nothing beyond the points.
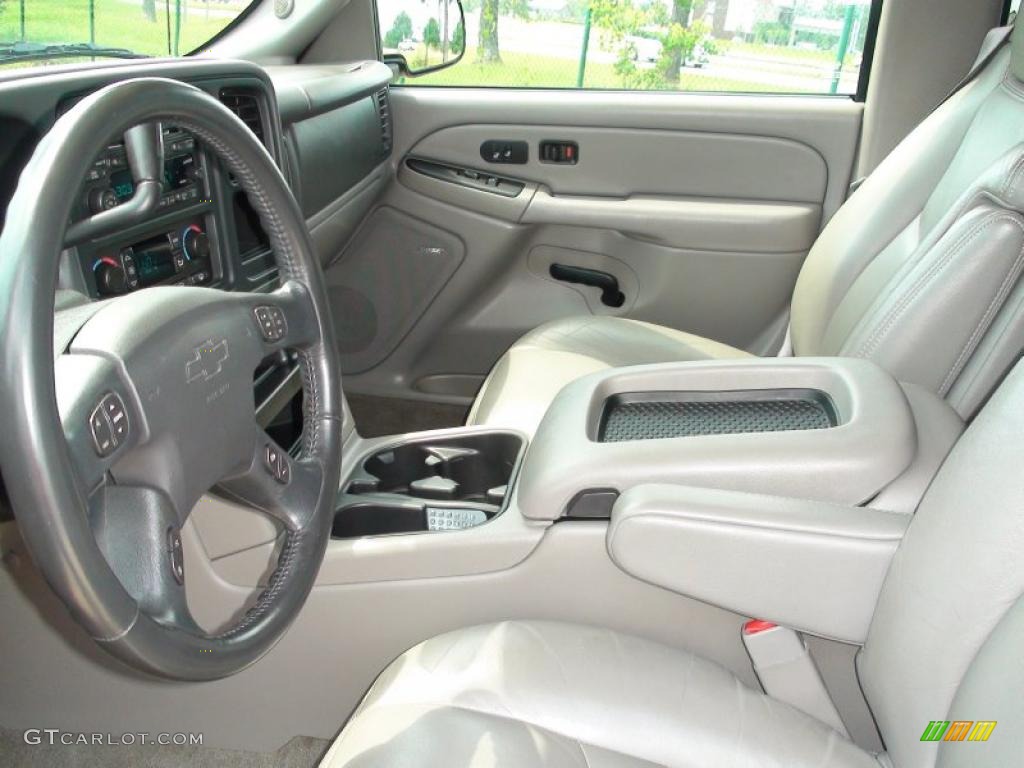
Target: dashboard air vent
(384, 112)
(246, 105)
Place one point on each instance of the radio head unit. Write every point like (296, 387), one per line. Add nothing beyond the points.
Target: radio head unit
(109, 182)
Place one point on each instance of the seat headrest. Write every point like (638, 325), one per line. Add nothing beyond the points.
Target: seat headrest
(1017, 53)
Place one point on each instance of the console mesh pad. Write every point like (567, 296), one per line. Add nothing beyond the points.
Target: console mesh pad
(651, 420)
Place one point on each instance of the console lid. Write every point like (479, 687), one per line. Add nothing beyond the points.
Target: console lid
(809, 565)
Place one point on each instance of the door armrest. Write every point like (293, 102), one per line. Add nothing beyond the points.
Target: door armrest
(810, 565)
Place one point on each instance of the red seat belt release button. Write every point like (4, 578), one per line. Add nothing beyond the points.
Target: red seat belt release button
(754, 626)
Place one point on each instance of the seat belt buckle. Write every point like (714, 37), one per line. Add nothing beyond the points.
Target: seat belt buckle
(787, 672)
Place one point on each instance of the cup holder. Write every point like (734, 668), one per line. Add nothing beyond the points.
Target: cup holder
(470, 468)
(449, 482)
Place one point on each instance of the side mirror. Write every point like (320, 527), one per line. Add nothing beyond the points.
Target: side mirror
(421, 36)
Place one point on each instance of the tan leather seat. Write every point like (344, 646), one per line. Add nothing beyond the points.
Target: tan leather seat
(944, 644)
(919, 271)
(527, 694)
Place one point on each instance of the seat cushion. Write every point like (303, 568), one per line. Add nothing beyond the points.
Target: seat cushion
(526, 379)
(523, 694)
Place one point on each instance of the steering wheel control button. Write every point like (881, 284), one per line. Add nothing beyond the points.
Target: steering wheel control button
(444, 519)
(102, 439)
(271, 322)
(113, 407)
(176, 554)
(277, 464)
(108, 424)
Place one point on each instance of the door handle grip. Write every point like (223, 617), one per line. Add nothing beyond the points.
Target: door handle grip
(611, 296)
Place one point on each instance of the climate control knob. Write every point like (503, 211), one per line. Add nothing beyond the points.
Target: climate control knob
(195, 243)
(110, 278)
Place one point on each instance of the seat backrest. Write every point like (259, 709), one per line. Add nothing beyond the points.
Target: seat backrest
(920, 269)
(946, 640)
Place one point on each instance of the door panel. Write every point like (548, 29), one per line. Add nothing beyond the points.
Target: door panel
(618, 162)
(701, 207)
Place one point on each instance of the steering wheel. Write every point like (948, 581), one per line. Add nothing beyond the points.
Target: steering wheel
(109, 443)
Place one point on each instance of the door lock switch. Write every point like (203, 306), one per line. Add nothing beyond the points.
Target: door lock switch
(560, 152)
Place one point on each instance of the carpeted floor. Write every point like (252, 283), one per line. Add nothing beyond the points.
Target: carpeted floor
(378, 416)
(300, 752)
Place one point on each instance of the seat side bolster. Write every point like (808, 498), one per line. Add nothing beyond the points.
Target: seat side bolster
(771, 557)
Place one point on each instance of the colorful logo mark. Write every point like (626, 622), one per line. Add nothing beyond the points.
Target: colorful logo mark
(958, 730)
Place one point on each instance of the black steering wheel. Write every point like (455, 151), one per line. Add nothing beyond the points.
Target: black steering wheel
(109, 443)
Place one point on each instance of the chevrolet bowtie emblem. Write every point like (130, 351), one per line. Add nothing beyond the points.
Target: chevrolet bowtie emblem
(207, 360)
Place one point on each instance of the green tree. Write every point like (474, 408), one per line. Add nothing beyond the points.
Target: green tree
(432, 33)
(676, 43)
(518, 8)
(400, 30)
(431, 37)
(149, 9)
(487, 42)
(622, 19)
(459, 38)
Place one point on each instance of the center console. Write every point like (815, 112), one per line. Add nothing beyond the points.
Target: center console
(829, 429)
(762, 486)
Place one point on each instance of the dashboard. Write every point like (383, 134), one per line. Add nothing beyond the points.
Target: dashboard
(326, 127)
(203, 232)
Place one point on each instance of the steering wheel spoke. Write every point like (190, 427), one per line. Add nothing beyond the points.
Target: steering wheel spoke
(138, 533)
(99, 414)
(285, 319)
(282, 486)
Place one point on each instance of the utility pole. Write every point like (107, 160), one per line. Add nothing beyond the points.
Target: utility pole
(177, 26)
(583, 51)
(844, 46)
(444, 32)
